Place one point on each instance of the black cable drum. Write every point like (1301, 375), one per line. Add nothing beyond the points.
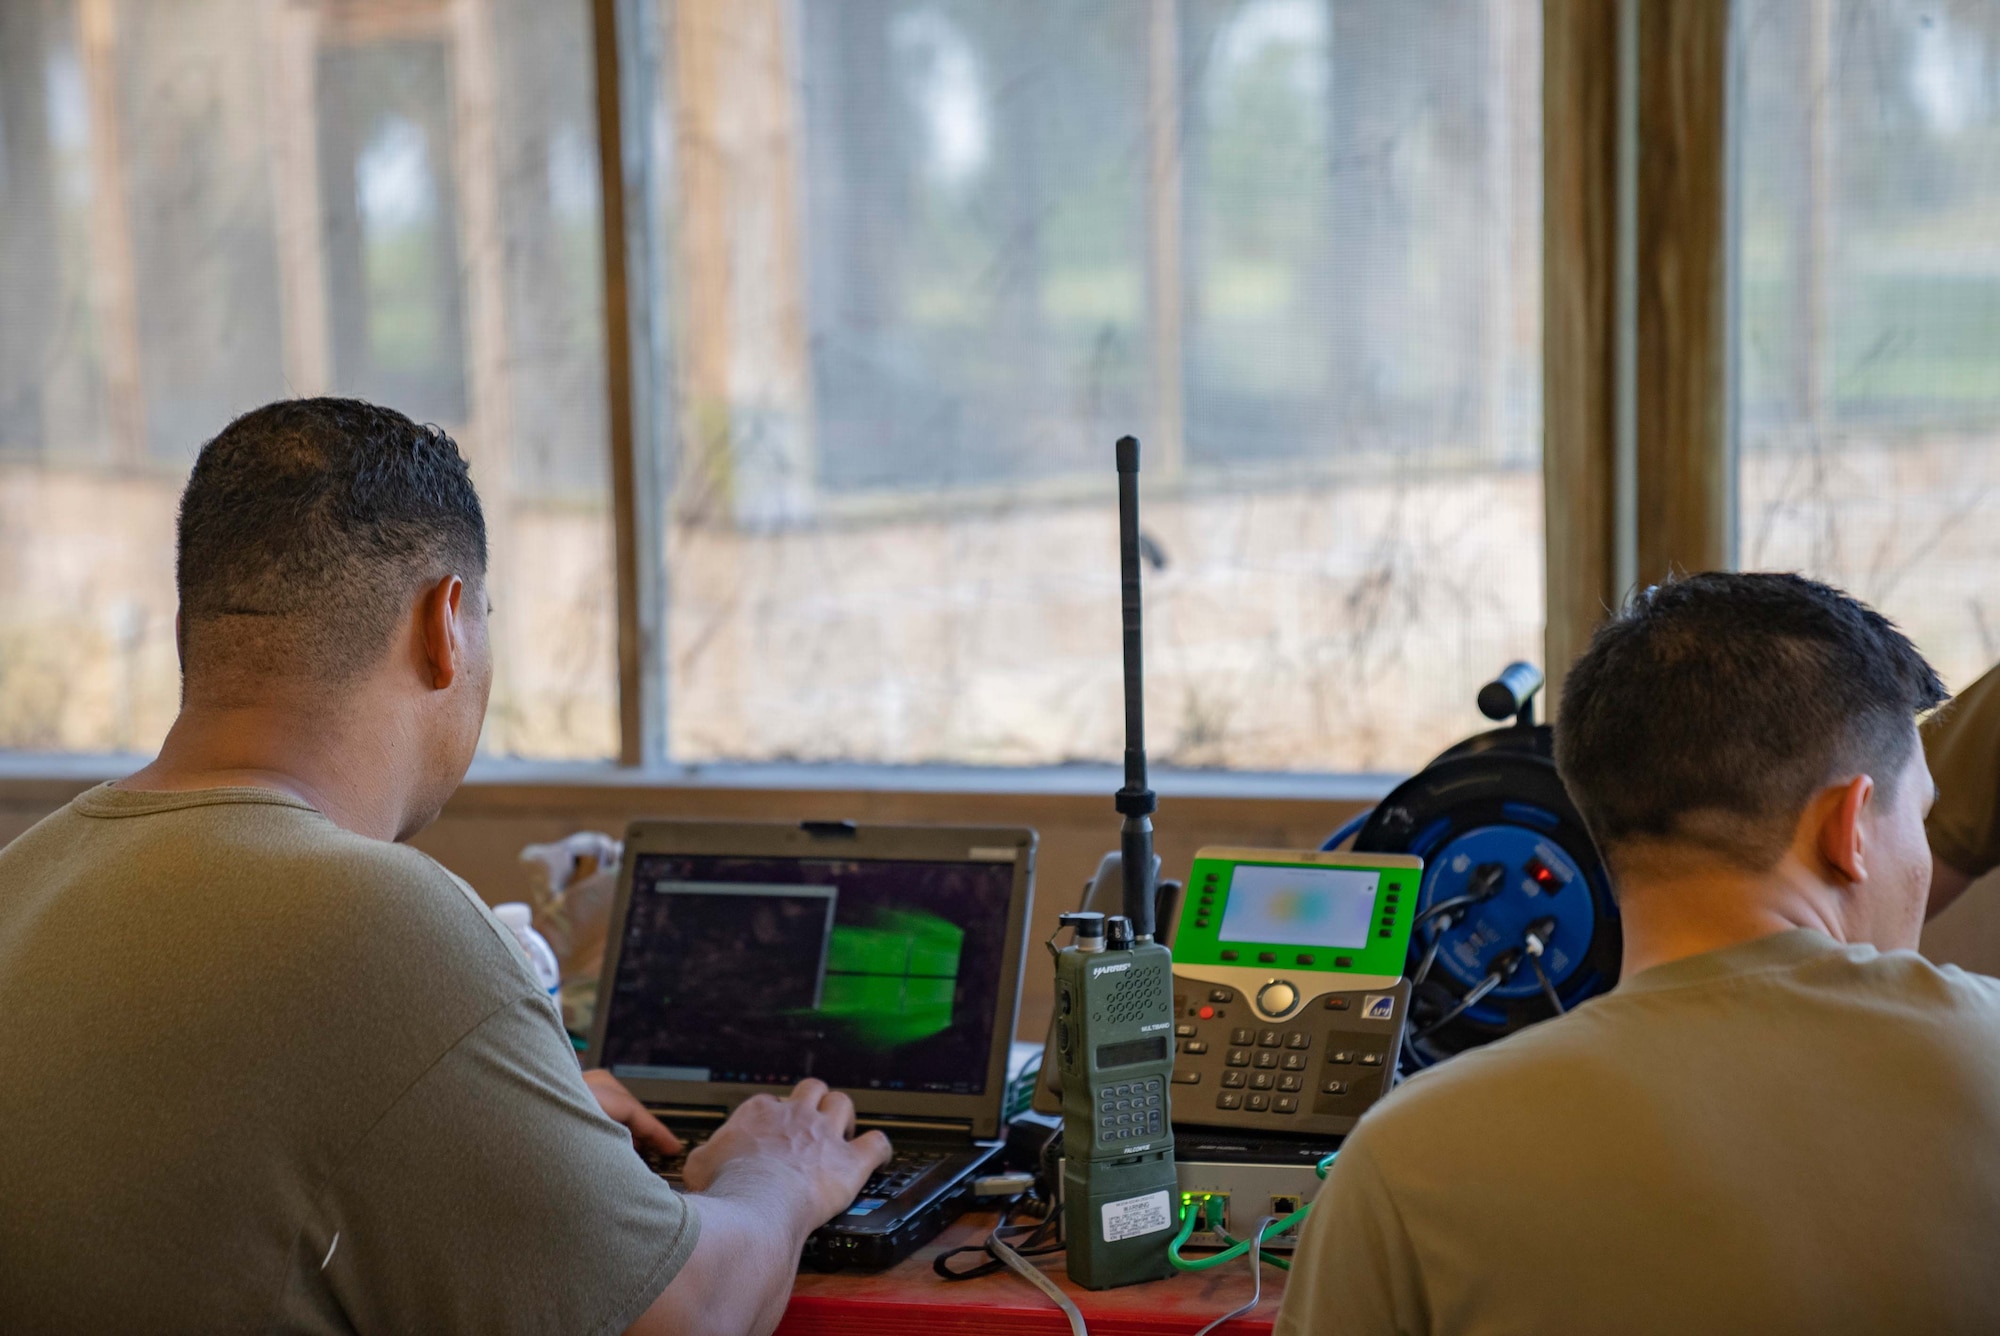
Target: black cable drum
(1490, 818)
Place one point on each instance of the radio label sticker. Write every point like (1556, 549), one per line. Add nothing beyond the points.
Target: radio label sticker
(1134, 1216)
(1378, 1007)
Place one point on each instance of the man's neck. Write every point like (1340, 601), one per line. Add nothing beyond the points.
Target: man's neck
(1670, 914)
(318, 754)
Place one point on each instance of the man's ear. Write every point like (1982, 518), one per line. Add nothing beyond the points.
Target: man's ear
(439, 617)
(1842, 837)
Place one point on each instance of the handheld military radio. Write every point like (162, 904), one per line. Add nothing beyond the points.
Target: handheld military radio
(1115, 1015)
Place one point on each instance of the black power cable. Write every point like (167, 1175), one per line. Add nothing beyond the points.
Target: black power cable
(1537, 940)
(1442, 917)
(1498, 972)
(1040, 1240)
(1484, 883)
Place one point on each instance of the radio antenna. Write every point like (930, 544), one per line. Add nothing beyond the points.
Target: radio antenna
(1135, 802)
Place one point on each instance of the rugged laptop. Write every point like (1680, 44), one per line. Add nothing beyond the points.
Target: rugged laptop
(884, 960)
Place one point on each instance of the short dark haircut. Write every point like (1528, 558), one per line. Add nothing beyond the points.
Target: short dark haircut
(1712, 708)
(307, 527)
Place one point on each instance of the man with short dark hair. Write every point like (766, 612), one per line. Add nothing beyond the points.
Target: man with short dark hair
(1783, 1118)
(269, 1069)
(1962, 746)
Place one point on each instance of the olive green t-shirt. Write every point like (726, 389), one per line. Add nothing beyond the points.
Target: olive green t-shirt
(258, 1073)
(1789, 1135)
(1962, 745)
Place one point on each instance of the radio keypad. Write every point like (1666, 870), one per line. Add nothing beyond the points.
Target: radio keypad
(1131, 1110)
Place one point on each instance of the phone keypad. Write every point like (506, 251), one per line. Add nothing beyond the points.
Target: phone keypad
(1317, 1072)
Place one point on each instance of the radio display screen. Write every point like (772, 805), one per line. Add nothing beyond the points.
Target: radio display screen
(1300, 906)
(1132, 1051)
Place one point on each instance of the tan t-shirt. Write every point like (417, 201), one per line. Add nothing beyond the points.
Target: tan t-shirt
(1962, 744)
(1789, 1135)
(258, 1073)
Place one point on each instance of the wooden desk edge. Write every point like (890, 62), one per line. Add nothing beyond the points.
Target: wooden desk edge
(910, 1297)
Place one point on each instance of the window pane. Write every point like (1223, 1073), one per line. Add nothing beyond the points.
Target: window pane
(939, 254)
(976, 184)
(1869, 345)
(210, 205)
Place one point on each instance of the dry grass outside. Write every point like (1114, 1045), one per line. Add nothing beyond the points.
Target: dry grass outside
(1335, 626)
(1911, 524)
(87, 660)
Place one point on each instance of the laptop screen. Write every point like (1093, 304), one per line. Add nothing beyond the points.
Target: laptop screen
(872, 974)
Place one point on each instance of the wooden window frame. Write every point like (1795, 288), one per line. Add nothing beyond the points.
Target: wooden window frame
(1638, 450)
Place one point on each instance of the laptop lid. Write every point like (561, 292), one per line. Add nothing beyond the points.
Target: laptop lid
(885, 960)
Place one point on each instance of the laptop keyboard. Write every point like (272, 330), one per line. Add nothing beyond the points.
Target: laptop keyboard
(904, 1168)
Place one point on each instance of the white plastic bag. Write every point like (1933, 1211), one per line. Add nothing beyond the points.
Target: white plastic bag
(572, 883)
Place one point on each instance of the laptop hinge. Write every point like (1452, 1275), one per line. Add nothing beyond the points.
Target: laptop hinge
(890, 1123)
(887, 1122)
(687, 1111)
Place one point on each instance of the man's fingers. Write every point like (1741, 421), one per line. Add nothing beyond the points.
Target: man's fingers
(809, 1092)
(650, 1131)
(623, 1107)
(836, 1103)
(877, 1146)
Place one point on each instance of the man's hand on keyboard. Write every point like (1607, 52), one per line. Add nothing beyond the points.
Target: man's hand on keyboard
(621, 1106)
(803, 1138)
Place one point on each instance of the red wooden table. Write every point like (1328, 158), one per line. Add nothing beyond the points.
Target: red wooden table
(911, 1298)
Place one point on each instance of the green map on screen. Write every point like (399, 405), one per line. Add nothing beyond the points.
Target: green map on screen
(893, 980)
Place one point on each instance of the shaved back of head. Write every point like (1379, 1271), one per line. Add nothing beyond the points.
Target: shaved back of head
(1712, 707)
(306, 529)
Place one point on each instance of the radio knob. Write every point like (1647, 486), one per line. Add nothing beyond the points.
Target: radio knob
(1278, 1000)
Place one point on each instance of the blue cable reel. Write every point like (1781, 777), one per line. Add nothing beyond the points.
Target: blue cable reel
(1515, 920)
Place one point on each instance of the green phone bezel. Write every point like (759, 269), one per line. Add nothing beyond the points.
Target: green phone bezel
(1383, 956)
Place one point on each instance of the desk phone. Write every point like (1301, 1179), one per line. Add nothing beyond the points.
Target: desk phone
(1289, 996)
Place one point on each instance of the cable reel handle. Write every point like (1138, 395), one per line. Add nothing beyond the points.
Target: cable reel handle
(1512, 693)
